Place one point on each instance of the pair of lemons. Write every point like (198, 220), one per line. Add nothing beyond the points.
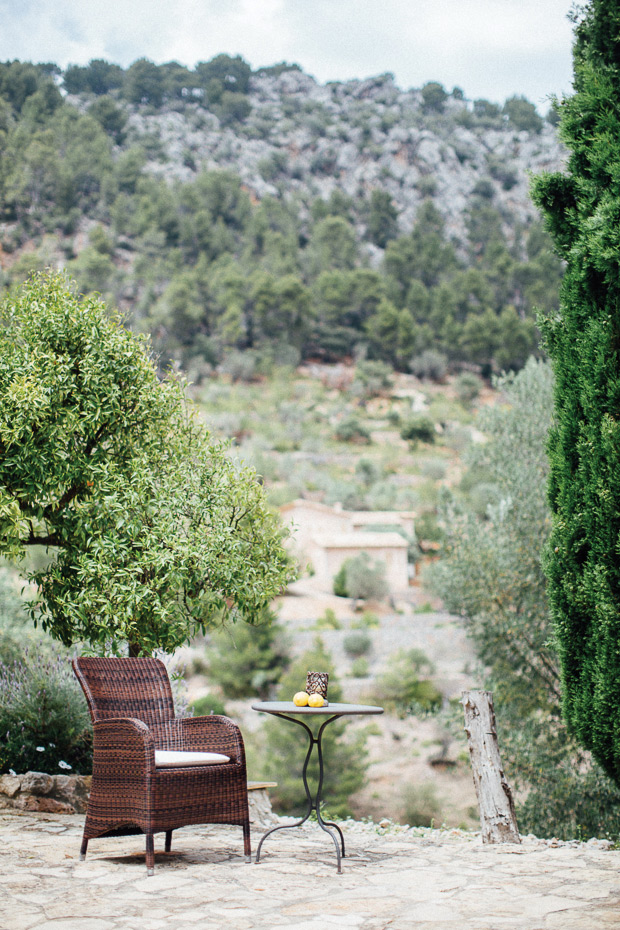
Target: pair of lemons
(303, 699)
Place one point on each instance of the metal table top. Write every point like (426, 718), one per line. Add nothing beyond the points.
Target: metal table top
(287, 707)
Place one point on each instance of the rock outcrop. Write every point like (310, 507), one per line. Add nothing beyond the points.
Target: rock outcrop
(304, 140)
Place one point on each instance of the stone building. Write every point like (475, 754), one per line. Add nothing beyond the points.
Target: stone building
(324, 537)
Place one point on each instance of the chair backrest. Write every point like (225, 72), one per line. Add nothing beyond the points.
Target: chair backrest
(116, 687)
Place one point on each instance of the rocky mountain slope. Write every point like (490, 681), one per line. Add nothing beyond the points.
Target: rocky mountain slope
(303, 140)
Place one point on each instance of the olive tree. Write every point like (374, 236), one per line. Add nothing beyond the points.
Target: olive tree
(491, 573)
(153, 532)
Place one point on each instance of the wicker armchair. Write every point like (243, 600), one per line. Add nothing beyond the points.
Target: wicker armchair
(153, 772)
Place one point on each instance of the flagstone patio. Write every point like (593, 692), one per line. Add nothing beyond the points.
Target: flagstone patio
(392, 878)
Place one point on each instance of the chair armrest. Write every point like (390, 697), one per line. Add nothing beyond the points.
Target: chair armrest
(201, 734)
(123, 743)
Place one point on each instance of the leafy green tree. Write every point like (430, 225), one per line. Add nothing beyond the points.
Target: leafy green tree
(491, 574)
(19, 81)
(98, 77)
(338, 204)
(109, 116)
(434, 96)
(178, 80)
(518, 340)
(479, 337)
(487, 112)
(231, 73)
(155, 534)
(332, 245)
(233, 108)
(582, 212)
(345, 759)
(40, 106)
(424, 255)
(93, 270)
(522, 114)
(382, 219)
(391, 334)
(144, 83)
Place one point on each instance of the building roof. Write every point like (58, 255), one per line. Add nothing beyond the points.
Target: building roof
(381, 516)
(312, 505)
(359, 541)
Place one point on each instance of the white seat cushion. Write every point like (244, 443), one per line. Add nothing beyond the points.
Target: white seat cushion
(166, 758)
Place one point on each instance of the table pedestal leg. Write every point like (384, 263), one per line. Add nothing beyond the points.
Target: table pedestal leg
(314, 804)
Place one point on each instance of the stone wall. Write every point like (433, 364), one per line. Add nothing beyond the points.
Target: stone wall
(53, 794)
(68, 794)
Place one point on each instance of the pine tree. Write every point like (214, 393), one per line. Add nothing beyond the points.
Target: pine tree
(582, 211)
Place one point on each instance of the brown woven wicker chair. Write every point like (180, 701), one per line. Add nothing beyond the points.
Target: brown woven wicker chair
(130, 702)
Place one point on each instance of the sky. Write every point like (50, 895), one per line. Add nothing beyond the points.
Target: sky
(489, 48)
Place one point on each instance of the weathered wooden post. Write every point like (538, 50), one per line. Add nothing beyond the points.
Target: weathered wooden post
(498, 821)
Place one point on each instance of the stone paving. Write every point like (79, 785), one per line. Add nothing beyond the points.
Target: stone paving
(392, 878)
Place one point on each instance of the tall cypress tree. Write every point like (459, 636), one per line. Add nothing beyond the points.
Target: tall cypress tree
(582, 211)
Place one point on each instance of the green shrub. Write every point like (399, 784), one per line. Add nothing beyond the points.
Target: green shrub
(427, 186)
(467, 387)
(360, 578)
(418, 428)
(482, 496)
(44, 718)
(328, 621)
(427, 527)
(247, 661)
(372, 378)
(340, 581)
(522, 114)
(484, 188)
(421, 807)
(357, 644)
(351, 429)
(240, 366)
(360, 668)
(434, 469)
(208, 704)
(367, 621)
(429, 365)
(401, 689)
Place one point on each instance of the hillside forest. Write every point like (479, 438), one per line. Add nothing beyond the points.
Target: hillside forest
(228, 211)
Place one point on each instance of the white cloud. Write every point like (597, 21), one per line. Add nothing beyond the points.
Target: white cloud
(490, 48)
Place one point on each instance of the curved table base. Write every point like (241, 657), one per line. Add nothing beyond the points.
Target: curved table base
(314, 804)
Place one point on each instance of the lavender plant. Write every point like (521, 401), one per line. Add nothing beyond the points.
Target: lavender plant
(44, 720)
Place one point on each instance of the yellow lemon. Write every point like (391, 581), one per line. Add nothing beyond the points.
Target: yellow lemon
(315, 700)
(300, 699)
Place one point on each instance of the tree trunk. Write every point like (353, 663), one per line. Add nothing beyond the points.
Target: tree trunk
(135, 650)
(497, 813)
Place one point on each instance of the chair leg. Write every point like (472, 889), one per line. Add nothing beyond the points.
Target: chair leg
(168, 840)
(247, 849)
(83, 848)
(150, 854)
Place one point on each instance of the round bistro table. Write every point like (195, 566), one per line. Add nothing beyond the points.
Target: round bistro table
(289, 711)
